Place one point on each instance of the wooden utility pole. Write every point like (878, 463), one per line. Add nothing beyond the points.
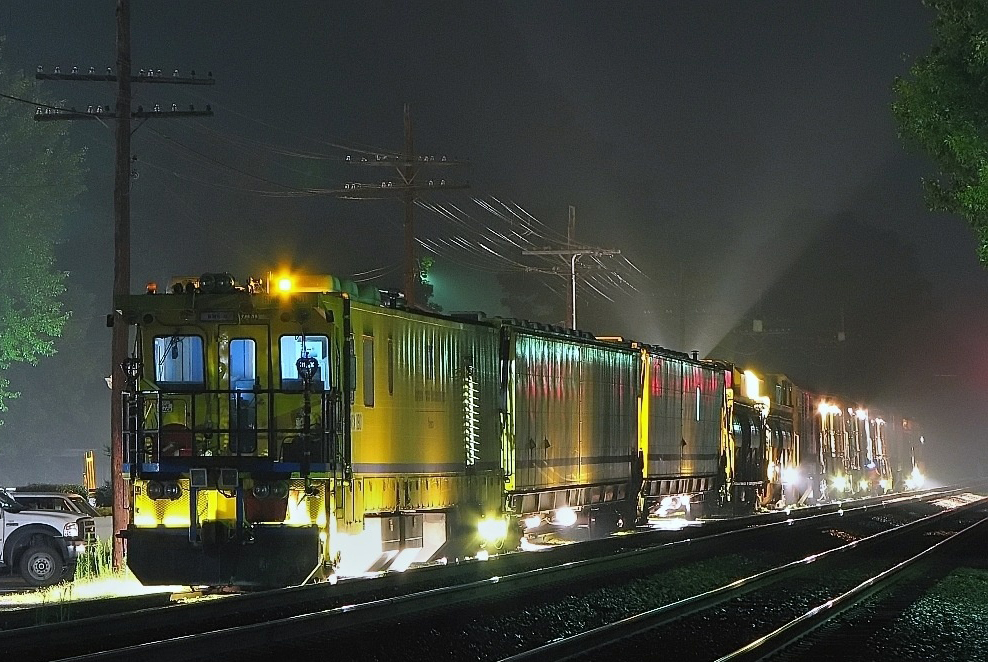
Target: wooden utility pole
(410, 167)
(121, 278)
(121, 228)
(408, 175)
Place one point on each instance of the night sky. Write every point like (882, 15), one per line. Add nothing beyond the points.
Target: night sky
(742, 155)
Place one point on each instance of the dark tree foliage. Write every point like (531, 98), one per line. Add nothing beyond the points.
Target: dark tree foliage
(942, 107)
(40, 176)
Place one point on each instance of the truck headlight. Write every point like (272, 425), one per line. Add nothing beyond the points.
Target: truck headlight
(71, 530)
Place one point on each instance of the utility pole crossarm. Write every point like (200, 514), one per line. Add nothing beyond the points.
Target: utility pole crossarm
(573, 251)
(139, 114)
(109, 77)
(361, 190)
(393, 162)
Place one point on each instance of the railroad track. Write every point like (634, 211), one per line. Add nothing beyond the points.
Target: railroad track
(250, 623)
(710, 621)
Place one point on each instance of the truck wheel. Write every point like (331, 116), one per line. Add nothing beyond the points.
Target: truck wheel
(41, 565)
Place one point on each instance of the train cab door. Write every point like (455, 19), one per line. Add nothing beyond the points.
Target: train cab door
(244, 376)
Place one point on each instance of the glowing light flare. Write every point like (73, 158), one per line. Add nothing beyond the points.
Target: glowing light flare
(790, 475)
(916, 479)
(533, 521)
(752, 385)
(492, 529)
(565, 516)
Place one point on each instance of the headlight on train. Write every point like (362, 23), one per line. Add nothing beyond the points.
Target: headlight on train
(566, 516)
(155, 490)
(167, 490)
(261, 490)
(71, 530)
(492, 529)
(533, 521)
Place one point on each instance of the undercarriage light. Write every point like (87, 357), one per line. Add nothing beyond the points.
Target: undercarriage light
(483, 555)
(566, 516)
(789, 476)
(863, 484)
(884, 483)
(533, 521)
(492, 529)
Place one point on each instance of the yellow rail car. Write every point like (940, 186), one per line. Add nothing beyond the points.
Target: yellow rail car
(276, 434)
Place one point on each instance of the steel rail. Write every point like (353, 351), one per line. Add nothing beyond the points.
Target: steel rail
(130, 629)
(606, 635)
(229, 640)
(788, 634)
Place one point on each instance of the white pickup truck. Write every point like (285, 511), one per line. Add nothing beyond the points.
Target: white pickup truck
(42, 546)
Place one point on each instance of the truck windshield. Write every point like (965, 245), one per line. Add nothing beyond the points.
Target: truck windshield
(83, 505)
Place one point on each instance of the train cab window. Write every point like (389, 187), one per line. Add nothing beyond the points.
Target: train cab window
(292, 348)
(368, 346)
(243, 404)
(243, 364)
(178, 362)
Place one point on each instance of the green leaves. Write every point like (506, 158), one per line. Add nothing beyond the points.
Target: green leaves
(40, 177)
(942, 108)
